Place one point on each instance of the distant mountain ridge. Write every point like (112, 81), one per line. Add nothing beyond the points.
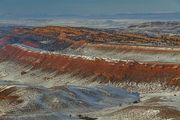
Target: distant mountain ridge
(146, 16)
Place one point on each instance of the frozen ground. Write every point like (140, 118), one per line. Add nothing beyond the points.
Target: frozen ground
(171, 57)
(35, 96)
(87, 52)
(43, 95)
(22, 101)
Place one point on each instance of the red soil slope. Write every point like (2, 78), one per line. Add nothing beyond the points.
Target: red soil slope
(74, 35)
(65, 33)
(114, 71)
(7, 95)
(4, 40)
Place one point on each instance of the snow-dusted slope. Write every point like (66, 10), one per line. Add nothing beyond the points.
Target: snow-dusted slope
(20, 101)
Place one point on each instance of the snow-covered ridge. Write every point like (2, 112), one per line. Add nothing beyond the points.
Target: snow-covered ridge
(40, 51)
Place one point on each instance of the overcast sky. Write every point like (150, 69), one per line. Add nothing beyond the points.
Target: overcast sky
(86, 7)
